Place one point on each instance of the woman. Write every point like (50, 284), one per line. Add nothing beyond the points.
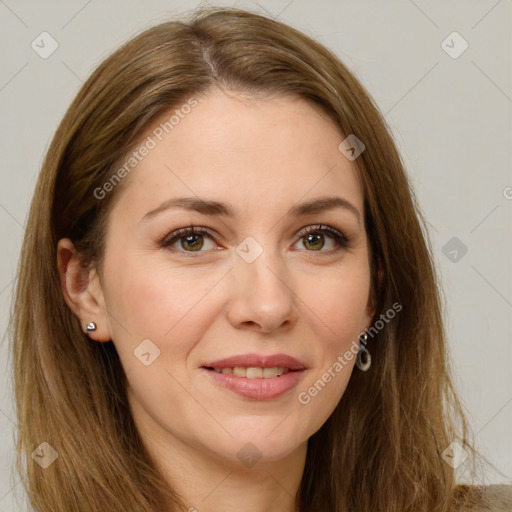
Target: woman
(225, 299)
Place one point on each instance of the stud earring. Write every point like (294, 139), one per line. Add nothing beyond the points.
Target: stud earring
(363, 359)
(91, 326)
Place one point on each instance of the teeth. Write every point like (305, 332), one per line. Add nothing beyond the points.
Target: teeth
(270, 373)
(254, 372)
(240, 372)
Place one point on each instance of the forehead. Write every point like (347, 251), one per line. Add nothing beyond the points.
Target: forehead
(266, 152)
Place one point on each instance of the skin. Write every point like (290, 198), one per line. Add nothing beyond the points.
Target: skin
(262, 157)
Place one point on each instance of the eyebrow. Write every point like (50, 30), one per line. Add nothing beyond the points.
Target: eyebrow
(207, 207)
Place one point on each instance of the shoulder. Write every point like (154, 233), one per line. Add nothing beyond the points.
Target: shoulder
(491, 498)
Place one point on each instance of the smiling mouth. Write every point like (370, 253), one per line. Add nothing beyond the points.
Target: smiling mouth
(255, 382)
(252, 372)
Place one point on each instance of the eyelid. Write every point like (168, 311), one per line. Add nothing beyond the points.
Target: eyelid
(323, 228)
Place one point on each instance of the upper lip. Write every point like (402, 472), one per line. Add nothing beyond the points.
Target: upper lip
(257, 361)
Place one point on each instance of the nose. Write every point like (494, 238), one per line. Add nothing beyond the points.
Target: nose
(262, 297)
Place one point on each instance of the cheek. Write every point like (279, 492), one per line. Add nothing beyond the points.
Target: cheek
(171, 308)
(339, 314)
(151, 296)
(149, 299)
(340, 302)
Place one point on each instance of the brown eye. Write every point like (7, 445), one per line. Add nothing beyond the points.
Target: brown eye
(192, 242)
(189, 240)
(323, 239)
(314, 241)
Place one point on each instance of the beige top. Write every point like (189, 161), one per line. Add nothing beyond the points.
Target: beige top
(492, 498)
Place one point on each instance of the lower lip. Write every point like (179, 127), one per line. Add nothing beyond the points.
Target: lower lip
(257, 389)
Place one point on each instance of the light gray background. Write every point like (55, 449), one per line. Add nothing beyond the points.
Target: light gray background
(450, 117)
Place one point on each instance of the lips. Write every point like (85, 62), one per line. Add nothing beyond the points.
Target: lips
(257, 361)
(256, 376)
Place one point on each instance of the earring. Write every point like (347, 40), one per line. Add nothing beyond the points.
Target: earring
(363, 359)
(91, 326)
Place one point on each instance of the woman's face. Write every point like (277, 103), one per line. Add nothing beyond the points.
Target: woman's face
(250, 175)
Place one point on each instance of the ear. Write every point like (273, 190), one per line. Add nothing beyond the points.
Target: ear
(82, 290)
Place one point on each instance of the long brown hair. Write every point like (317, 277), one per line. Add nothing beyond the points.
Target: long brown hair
(381, 448)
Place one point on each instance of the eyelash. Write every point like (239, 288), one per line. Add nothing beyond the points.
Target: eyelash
(342, 241)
